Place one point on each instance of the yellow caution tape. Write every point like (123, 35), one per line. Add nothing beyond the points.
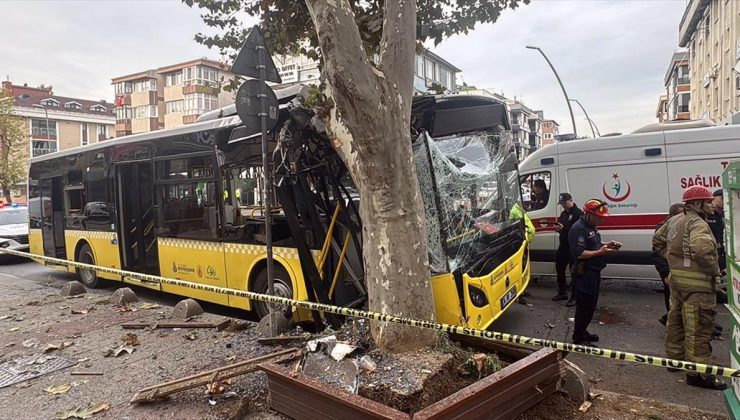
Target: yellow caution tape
(452, 329)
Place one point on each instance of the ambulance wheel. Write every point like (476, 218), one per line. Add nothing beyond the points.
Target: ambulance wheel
(87, 277)
(283, 288)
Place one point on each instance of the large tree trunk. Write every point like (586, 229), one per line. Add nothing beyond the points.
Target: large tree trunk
(8, 195)
(370, 127)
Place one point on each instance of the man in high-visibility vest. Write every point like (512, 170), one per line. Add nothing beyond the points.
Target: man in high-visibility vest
(517, 212)
(691, 251)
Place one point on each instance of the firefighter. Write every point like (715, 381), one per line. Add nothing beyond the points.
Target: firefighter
(571, 214)
(661, 264)
(688, 245)
(588, 252)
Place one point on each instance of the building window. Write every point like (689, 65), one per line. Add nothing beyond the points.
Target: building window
(443, 76)
(73, 105)
(428, 69)
(683, 102)
(124, 113)
(200, 75)
(146, 111)
(683, 75)
(50, 102)
(172, 107)
(173, 79)
(198, 103)
(42, 147)
(420, 66)
(98, 108)
(83, 134)
(145, 85)
(102, 132)
(123, 88)
(39, 129)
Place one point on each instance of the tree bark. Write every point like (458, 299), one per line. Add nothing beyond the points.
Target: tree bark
(369, 126)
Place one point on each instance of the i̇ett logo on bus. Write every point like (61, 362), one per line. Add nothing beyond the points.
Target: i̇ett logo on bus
(616, 191)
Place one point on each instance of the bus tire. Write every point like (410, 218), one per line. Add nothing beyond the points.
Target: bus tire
(87, 277)
(283, 288)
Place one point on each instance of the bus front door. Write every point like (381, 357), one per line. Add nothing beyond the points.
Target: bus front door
(136, 218)
(52, 213)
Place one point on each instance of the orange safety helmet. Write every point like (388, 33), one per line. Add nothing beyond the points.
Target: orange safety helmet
(597, 207)
(697, 192)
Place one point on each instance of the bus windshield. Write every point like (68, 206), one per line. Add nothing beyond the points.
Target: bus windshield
(469, 186)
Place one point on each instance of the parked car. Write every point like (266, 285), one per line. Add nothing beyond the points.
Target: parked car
(14, 228)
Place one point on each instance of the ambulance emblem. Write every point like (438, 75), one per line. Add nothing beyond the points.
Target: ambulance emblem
(615, 190)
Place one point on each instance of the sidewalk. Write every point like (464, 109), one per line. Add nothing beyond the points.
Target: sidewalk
(33, 315)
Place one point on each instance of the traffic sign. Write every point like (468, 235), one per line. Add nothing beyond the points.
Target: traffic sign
(249, 108)
(247, 61)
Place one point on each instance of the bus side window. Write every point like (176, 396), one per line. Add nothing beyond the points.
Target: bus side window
(241, 201)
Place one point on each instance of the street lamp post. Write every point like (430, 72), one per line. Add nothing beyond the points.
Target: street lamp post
(570, 109)
(591, 123)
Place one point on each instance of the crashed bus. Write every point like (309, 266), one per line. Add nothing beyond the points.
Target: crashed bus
(185, 203)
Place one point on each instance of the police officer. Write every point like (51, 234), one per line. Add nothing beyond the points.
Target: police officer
(571, 214)
(691, 251)
(588, 252)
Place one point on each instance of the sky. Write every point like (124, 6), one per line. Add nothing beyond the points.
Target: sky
(611, 55)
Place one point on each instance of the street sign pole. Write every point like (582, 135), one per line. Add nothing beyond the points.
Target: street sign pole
(267, 185)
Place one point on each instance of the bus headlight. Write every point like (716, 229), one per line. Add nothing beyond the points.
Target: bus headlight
(477, 296)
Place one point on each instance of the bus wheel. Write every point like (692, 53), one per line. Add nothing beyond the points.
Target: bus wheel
(88, 277)
(283, 288)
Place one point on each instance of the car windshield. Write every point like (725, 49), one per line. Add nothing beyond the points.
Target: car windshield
(469, 187)
(14, 216)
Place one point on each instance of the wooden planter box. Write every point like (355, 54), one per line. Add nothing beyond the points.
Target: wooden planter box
(502, 395)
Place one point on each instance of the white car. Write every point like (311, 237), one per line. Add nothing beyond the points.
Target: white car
(14, 227)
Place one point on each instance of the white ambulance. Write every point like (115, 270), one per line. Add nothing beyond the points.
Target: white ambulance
(640, 175)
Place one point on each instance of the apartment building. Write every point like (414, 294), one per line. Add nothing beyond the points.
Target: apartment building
(429, 70)
(550, 129)
(661, 112)
(58, 122)
(710, 31)
(170, 96)
(677, 83)
(529, 129)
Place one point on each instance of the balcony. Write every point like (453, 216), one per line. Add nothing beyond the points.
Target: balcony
(693, 14)
(189, 119)
(123, 125)
(200, 88)
(125, 100)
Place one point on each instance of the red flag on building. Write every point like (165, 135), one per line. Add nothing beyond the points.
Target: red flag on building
(119, 100)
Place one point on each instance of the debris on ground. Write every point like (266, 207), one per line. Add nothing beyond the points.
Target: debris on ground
(59, 389)
(83, 412)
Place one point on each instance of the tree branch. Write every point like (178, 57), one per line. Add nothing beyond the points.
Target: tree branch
(397, 46)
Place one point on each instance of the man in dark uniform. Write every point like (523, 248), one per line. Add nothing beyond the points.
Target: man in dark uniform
(588, 253)
(716, 223)
(541, 194)
(571, 214)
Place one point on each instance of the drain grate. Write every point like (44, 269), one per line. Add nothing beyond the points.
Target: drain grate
(29, 367)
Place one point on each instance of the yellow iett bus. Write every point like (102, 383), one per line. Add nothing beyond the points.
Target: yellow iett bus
(185, 203)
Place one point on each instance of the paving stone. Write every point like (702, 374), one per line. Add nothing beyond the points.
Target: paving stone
(123, 295)
(73, 288)
(187, 308)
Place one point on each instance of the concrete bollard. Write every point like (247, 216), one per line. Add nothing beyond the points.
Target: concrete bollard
(123, 296)
(282, 325)
(575, 382)
(73, 288)
(187, 308)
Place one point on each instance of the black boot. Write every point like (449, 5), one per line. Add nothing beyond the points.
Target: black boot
(571, 302)
(584, 341)
(706, 381)
(562, 295)
(592, 337)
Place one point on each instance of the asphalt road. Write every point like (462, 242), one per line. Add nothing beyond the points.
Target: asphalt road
(626, 319)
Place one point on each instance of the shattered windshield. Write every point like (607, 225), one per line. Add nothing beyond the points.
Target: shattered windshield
(469, 186)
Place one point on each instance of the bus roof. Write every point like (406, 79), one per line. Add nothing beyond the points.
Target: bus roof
(232, 121)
